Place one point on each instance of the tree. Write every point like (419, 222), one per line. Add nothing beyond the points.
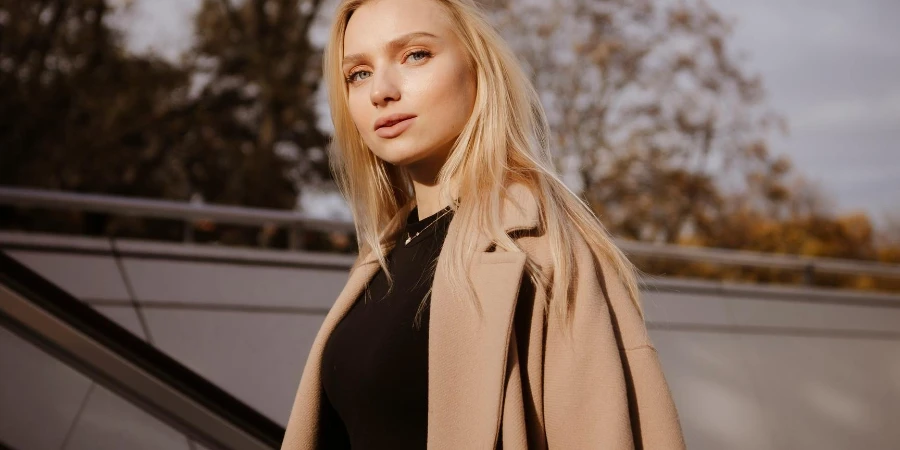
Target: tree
(255, 139)
(233, 123)
(79, 114)
(651, 113)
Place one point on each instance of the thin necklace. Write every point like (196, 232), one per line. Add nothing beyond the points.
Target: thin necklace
(409, 238)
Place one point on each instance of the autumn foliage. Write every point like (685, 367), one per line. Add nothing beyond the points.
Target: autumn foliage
(655, 120)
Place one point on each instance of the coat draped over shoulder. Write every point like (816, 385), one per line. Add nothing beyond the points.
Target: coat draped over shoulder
(514, 377)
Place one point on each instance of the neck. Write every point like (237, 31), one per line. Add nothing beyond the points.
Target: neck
(428, 199)
(424, 176)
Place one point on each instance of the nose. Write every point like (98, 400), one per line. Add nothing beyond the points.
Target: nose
(384, 88)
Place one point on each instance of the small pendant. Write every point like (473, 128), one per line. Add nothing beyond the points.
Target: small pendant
(407, 240)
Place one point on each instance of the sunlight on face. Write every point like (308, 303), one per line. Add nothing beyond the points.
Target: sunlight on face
(410, 87)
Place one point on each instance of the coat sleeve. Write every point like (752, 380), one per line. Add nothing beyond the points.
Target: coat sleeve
(603, 384)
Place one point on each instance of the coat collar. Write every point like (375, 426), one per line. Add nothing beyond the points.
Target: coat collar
(519, 210)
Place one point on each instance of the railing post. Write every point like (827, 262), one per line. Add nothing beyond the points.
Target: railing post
(295, 237)
(188, 232)
(809, 274)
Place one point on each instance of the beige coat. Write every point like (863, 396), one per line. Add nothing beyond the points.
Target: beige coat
(512, 374)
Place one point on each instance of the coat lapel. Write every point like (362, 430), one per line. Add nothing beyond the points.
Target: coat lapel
(467, 352)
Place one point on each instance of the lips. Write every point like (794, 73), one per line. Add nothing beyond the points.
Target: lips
(393, 125)
(391, 120)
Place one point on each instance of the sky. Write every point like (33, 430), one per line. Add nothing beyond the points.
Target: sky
(832, 67)
(829, 67)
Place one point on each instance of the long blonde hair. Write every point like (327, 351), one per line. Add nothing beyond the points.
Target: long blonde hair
(505, 139)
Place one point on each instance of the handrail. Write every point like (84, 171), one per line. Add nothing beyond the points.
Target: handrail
(165, 209)
(809, 264)
(111, 355)
(259, 216)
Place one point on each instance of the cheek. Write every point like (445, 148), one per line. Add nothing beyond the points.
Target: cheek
(462, 97)
(454, 90)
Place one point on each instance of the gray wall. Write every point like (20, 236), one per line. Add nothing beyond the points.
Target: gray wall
(751, 367)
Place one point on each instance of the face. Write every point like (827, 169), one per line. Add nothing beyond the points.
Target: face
(410, 87)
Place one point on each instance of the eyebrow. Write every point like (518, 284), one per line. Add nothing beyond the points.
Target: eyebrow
(392, 45)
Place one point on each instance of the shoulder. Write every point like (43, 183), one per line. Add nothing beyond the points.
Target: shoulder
(525, 218)
(600, 294)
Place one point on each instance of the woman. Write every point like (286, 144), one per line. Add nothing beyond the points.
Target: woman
(526, 331)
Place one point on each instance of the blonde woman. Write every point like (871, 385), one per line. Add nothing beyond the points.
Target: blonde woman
(488, 307)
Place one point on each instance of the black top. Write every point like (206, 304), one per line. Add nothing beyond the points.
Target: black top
(375, 363)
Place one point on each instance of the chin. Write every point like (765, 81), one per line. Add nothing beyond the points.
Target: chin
(401, 155)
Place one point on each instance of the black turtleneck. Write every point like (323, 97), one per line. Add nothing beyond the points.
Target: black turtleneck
(375, 364)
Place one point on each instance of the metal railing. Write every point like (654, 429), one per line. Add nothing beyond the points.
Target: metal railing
(296, 221)
(807, 264)
(293, 221)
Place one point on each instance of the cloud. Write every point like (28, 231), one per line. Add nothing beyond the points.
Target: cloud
(833, 68)
(851, 114)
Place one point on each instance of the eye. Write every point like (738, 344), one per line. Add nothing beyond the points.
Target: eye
(419, 55)
(356, 76)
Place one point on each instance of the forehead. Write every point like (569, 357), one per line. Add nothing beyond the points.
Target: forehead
(377, 22)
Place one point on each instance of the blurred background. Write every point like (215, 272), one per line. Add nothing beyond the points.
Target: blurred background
(165, 199)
